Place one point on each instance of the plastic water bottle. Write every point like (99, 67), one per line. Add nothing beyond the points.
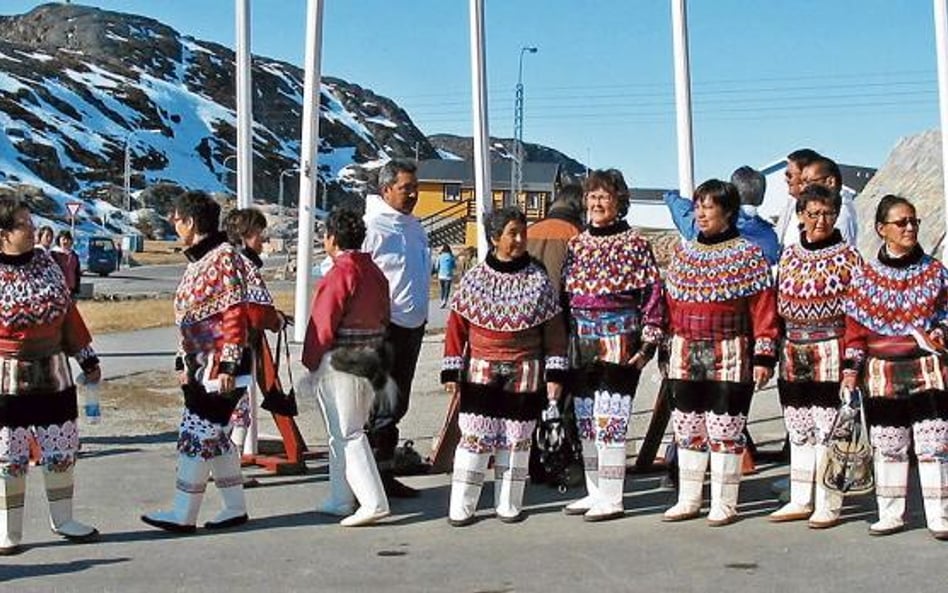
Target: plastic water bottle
(90, 400)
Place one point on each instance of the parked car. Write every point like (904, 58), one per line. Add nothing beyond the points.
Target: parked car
(100, 256)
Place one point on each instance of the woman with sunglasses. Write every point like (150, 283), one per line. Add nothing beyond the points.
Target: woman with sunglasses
(723, 313)
(812, 279)
(897, 312)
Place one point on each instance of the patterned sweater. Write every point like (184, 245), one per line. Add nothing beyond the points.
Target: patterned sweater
(505, 312)
(812, 280)
(720, 288)
(614, 289)
(262, 315)
(210, 311)
(38, 317)
(889, 301)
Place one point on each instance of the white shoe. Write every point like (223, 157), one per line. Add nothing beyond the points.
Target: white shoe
(361, 518)
(791, 511)
(579, 507)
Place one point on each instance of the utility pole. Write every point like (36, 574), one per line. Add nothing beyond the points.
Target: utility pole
(516, 163)
(244, 106)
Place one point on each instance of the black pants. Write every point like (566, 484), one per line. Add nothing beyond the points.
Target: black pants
(404, 346)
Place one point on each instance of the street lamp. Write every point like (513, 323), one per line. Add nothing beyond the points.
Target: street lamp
(516, 168)
(284, 172)
(226, 170)
(128, 165)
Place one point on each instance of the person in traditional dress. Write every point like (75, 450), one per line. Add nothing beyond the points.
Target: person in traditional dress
(896, 322)
(812, 279)
(617, 318)
(246, 231)
(505, 352)
(39, 328)
(341, 349)
(213, 366)
(724, 327)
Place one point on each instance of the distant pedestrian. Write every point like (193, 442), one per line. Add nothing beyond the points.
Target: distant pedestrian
(213, 365)
(68, 260)
(39, 327)
(445, 267)
(44, 238)
(788, 225)
(398, 245)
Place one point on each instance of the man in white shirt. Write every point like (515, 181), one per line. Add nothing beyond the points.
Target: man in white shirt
(398, 245)
(788, 230)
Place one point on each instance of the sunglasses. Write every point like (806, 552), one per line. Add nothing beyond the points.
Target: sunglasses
(827, 215)
(904, 222)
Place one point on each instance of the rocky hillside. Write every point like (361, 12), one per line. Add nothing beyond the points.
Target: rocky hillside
(501, 148)
(913, 170)
(77, 83)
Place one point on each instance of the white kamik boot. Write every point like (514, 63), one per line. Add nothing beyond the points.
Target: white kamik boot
(591, 473)
(12, 496)
(609, 504)
(802, 472)
(934, 478)
(828, 503)
(510, 478)
(725, 485)
(230, 483)
(691, 469)
(189, 490)
(59, 491)
(891, 479)
(467, 479)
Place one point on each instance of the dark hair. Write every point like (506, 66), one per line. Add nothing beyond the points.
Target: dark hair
(888, 202)
(8, 208)
(819, 194)
(201, 208)
(613, 182)
(390, 170)
(446, 248)
(829, 168)
(45, 229)
(239, 224)
(346, 226)
(751, 185)
(723, 194)
(64, 234)
(803, 157)
(500, 218)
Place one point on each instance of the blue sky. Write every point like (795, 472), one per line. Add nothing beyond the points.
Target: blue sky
(846, 77)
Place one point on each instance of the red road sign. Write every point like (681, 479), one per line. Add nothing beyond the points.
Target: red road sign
(73, 208)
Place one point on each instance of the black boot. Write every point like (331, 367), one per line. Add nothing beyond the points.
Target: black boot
(395, 489)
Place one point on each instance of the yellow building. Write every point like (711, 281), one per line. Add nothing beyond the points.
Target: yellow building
(446, 196)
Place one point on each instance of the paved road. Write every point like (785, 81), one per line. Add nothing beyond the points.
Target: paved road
(153, 280)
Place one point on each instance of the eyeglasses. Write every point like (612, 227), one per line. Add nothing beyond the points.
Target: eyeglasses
(602, 199)
(904, 222)
(824, 214)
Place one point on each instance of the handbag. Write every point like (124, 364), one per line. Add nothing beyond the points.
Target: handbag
(847, 464)
(275, 399)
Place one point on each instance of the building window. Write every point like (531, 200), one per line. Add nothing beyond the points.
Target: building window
(452, 192)
(535, 200)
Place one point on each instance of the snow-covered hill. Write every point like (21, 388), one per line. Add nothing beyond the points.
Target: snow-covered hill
(78, 83)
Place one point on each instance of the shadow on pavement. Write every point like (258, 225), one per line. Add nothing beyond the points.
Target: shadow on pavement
(169, 436)
(26, 571)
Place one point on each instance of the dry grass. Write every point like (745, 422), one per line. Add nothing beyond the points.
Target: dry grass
(104, 317)
(159, 252)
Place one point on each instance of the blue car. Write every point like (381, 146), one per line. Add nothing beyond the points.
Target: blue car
(101, 256)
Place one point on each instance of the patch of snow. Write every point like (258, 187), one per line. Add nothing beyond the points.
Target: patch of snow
(448, 156)
(381, 121)
(10, 84)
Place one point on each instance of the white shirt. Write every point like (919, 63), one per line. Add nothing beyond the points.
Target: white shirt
(398, 245)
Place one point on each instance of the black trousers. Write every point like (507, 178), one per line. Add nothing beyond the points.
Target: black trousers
(404, 346)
